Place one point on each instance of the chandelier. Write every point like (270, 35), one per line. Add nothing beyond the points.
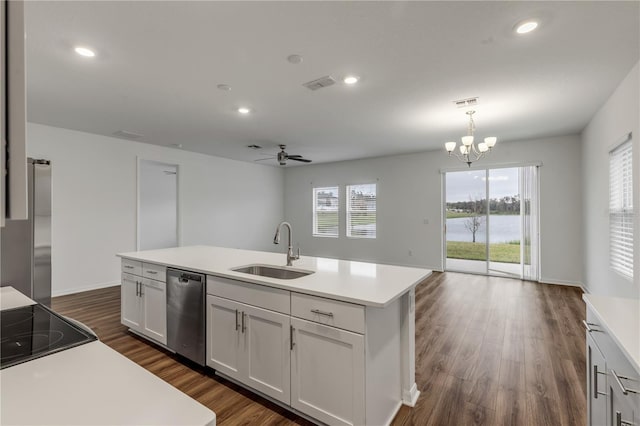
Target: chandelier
(469, 152)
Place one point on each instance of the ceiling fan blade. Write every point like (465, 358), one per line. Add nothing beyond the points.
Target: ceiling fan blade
(263, 159)
(294, 156)
(303, 160)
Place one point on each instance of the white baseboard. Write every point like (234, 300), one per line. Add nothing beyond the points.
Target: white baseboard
(55, 293)
(410, 397)
(562, 282)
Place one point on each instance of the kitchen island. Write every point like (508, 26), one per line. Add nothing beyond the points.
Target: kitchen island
(90, 384)
(336, 345)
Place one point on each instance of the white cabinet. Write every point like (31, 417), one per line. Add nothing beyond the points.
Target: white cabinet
(613, 382)
(336, 362)
(154, 309)
(143, 303)
(623, 410)
(13, 118)
(251, 345)
(131, 303)
(596, 385)
(328, 373)
(223, 336)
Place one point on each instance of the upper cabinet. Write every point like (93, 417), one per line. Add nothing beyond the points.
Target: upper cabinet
(13, 117)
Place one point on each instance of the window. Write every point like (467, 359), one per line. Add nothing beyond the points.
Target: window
(325, 211)
(621, 209)
(361, 211)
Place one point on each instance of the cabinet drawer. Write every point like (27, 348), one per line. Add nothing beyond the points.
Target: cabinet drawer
(132, 267)
(130, 277)
(274, 299)
(343, 315)
(155, 272)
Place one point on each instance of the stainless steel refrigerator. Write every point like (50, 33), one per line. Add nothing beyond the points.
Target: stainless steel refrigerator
(25, 256)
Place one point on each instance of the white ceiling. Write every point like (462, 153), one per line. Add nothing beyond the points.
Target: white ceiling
(158, 64)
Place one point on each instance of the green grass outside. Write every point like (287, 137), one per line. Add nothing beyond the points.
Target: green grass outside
(498, 252)
(455, 215)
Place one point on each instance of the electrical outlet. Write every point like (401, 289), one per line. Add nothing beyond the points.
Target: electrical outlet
(425, 221)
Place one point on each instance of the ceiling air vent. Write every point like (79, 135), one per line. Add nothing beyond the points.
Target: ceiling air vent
(126, 135)
(464, 103)
(320, 83)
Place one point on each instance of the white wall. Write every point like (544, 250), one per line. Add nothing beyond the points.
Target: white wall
(222, 202)
(410, 193)
(616, 118)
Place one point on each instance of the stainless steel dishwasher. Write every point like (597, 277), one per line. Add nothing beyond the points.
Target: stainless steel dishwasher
(186, 314)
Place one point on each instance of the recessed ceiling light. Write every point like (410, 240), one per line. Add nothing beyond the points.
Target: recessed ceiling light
(224, 87)
(176, 145)
(526, 27)
(244, 110)
(351, 79)
(83, 51)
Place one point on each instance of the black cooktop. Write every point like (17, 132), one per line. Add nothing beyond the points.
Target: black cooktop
(31, 332)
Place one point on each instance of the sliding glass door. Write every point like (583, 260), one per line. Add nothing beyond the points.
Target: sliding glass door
(505, 230)
(491, 221)
(466, 221)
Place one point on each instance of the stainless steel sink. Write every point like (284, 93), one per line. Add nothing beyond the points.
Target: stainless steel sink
(273, 271)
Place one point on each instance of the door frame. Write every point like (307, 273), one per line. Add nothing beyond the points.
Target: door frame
(139, 161)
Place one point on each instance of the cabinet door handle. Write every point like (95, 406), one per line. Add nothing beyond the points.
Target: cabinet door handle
(292, 343)
(595, 382)
(588, 328)
(620, 422)
(319, 312)
(137, 289)
(128, 266)
(243, 326)
(152, 272)
(625, 390)
(237, 324)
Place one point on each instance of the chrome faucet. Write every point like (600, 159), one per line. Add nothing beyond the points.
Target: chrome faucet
(276, 240)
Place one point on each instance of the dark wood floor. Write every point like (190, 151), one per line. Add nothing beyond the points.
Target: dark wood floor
(489, 350)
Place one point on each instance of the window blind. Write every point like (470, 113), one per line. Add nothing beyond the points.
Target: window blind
(361, 211)
(621, 209)
(325, 211)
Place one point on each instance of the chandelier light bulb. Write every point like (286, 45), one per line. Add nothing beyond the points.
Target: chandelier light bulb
(450, 146)
(467, 140)
(483, 147)
(491, 141)
(463, 149)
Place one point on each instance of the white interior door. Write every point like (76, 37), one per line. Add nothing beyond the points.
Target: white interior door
(157, 205)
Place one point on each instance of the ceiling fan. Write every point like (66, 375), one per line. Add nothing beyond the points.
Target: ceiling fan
(283, 156)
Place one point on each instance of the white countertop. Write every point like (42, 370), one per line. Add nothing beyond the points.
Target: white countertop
(621, 318)
(91, 384)
(12, 298)
(363, 283)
